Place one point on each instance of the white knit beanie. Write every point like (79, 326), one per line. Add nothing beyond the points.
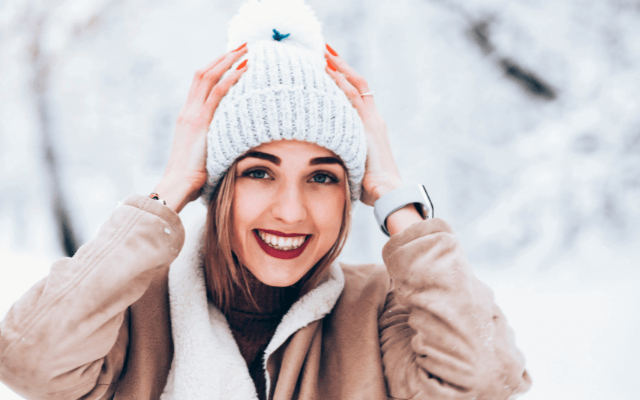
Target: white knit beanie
(284, 94)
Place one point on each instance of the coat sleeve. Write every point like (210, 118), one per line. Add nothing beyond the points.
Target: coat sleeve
(66, 338)
(441, 334)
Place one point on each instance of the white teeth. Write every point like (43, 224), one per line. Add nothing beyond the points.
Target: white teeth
(281, 243)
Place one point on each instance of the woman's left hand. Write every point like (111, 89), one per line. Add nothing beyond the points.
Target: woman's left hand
(381, 174)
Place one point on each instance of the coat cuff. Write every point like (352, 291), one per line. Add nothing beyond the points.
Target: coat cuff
(145, 203)
(410, 234)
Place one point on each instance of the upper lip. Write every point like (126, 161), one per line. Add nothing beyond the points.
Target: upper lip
(282, 234)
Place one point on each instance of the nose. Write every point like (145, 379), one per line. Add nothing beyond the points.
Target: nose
(289, 205)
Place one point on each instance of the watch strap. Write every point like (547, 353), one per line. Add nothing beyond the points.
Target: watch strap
(400, 197)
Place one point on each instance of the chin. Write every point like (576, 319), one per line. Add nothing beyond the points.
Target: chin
(278, 275)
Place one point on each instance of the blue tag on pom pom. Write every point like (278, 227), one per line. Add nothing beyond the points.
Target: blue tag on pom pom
(278, 36)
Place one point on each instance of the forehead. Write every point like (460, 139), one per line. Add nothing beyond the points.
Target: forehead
(294, 150)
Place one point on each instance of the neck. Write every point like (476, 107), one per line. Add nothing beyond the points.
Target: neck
(257, 298)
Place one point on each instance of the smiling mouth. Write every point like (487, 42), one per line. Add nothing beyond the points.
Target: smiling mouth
(283, 247)
(280, 242)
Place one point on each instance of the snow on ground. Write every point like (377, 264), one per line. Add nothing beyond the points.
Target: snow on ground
(578, 332)
(541, 183)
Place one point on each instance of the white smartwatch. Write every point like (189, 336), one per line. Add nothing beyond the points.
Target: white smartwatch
(400, 197)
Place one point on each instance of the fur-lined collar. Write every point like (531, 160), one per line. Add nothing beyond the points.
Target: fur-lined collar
(207, 363)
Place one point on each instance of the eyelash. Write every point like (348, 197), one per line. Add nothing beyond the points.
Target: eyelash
(332, 179)
(251, 171)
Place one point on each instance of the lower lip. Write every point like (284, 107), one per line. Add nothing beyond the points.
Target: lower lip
(281, 254)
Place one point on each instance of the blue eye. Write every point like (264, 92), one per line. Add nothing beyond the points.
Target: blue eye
(323, 178)
(256, 174)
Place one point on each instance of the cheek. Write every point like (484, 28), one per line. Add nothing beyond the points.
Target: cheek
(245, 210)
(328, 212)
(243, 206)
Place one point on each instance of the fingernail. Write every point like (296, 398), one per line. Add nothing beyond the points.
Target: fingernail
(241, 47)
(331, 66)
(242, 64)
(332, 51)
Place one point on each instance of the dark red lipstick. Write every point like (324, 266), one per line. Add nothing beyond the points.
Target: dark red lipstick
(281, 254)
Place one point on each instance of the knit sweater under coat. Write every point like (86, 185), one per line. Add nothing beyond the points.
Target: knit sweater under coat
(253, 322)
(421, 326)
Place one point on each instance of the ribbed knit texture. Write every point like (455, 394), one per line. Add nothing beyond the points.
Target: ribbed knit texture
(285, 94)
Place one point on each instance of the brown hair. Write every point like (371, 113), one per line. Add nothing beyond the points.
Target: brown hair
(223, 272)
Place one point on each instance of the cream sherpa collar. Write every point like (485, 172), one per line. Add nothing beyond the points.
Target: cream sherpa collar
(207, 363)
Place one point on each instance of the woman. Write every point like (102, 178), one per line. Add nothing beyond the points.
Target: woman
(254, 305)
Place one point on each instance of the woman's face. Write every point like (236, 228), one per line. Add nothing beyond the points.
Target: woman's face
(287, 209)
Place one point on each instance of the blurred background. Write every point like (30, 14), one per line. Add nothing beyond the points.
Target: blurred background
(522, 118)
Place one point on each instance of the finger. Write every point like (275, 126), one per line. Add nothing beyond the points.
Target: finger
(352, 76)
(202, 71)
(220, 90)
(213, 76)
(352, 93)
(197, 76)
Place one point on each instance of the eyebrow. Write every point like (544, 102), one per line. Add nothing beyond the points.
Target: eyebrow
(277, 161)
(325, 160)
(262, 156)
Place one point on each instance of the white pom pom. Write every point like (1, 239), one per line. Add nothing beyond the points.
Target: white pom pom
(256, 21)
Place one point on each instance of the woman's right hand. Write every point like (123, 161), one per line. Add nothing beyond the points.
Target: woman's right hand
(186, 171)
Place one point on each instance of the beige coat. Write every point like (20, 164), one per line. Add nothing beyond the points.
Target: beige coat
(421, 327)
